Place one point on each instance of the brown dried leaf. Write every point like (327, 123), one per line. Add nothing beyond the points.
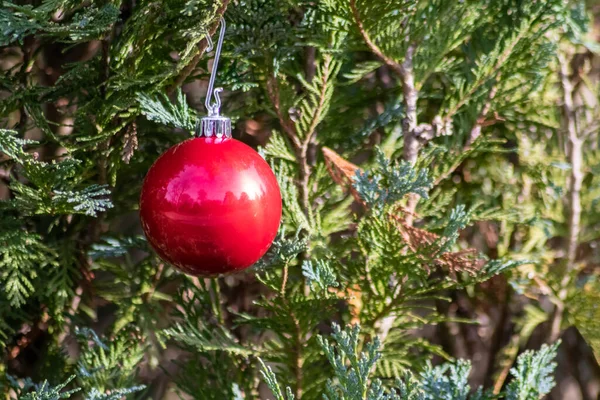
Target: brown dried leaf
(130, 143)
(342, 171)
(453, 262)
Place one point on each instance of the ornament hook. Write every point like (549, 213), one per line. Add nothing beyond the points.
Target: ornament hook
(214, 109)
(214, 124)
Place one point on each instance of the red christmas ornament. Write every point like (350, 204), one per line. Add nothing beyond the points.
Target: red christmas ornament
(210, 206)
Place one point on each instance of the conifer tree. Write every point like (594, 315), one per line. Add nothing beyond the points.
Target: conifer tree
(438, 167)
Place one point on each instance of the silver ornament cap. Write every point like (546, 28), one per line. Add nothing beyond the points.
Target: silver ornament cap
(214, 126)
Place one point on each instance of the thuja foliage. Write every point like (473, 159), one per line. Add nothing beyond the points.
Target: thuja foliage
(430, 159)
(532, 376)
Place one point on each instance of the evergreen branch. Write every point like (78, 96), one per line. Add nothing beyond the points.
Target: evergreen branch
(532, 377)
(206, 339)
(159, 109)
(286, 124)
(300, 148)
(322, 96)
(272, 383)
(414, 134)
(115, 394)
(394, 65)
(298, 349)
(493, 73)
(479, 123)
(575, 159)
(43, 391)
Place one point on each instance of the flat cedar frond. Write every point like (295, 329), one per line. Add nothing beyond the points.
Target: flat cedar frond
(342, 172)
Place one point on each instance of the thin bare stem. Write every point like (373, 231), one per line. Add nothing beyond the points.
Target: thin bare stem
(394, 65)
(284, 280)
(575, 158)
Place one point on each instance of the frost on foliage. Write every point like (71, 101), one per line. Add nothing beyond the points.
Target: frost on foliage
(389, 182)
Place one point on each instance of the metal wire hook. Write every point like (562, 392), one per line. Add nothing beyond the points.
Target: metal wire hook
(214, 109)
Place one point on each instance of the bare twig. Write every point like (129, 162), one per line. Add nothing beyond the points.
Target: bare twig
(575, 158)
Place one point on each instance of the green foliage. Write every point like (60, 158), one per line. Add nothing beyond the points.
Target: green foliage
(271, 381)
(31, 391)
(54, 187)
(197, 334)
(20, 21)
(320, 275)
(353, 369)
(162, 111)
(388, 183)
(104, 372)
(22, 256)
(532, 377)
(352, 380)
